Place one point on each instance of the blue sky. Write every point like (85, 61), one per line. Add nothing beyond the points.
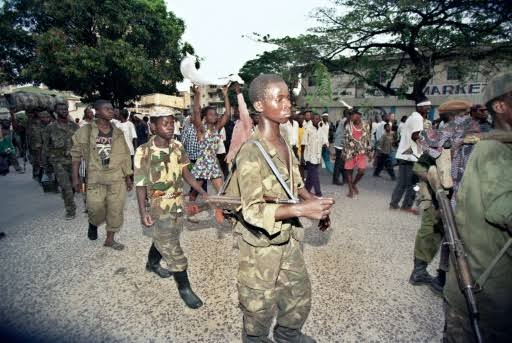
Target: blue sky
(215, 28)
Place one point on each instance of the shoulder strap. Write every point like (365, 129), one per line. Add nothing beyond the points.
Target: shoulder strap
(275, 171)
(487, 272)
(272, 167)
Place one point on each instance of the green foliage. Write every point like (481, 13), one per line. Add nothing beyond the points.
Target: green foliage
(116, 50)
(322, 94)
(377, 40)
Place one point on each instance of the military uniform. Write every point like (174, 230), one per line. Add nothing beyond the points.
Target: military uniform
(108, 163)
(484, 221)
(160, 170)
(431, 232)
(35, 146)
(483, 214)
(272, 275)
(56, 151)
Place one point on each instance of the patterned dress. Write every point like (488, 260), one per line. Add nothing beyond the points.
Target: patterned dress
(207, 165)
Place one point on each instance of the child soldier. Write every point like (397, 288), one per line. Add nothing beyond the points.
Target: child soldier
(272, 275)
(109, 170)
(161, 164)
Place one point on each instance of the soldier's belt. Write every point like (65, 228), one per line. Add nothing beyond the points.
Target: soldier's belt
(165, 195)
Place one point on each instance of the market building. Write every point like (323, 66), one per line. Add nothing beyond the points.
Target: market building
(445, 85)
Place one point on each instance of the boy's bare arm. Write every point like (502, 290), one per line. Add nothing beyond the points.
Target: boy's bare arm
(196, 111)
(227, 113)
(145, 217)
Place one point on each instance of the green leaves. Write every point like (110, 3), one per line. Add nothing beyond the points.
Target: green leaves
(379, 41)
(116, 50)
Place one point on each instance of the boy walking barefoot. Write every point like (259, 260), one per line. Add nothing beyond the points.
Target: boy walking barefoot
(161, 165)
(272, 275)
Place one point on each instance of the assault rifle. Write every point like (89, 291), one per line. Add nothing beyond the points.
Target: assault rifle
(457, 252)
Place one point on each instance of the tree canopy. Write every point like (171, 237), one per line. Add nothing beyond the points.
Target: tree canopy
(116, 50)
(381, 41)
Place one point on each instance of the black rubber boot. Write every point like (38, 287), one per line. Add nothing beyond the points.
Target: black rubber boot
(438, 282)
(419, 275)
(92, 232)
(153, 264)
(186, 293)
(287, 335)
(255, 339)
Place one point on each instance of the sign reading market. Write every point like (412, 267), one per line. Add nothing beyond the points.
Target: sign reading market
(459, 89)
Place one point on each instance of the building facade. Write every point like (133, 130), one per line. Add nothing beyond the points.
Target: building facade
(445, 85)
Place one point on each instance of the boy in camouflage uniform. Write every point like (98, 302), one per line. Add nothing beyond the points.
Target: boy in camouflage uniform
(56, 151)
(161, 165)
(272, 275)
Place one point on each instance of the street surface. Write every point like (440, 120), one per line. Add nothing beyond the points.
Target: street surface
(56, 285)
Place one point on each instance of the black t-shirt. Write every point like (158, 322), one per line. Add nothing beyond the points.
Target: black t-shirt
(104, 147)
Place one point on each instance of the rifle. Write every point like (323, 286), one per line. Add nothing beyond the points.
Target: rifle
(457, 252)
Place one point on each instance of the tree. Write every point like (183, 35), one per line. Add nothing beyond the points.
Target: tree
(379, 41)
(116, 50)
(321, 79)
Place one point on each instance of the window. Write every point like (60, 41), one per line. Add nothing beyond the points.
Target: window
(383, 77)
(452, 74)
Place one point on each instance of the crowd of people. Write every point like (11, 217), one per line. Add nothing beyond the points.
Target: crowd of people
(109, 151)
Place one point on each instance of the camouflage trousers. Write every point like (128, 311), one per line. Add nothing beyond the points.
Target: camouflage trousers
(105, 203)
(166, 236)
(63, 176)
(429, 238)
(272, 279)
(36, 163)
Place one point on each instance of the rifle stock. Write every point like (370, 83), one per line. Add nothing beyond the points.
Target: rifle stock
(457, 252)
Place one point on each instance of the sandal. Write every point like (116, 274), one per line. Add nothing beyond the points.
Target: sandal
(219, 216)
(115, 245)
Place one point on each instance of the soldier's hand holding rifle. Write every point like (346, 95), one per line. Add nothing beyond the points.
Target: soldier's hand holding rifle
(316, 208)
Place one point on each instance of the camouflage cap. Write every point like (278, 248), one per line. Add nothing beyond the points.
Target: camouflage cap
(454, 105)
(159, 114)
(499, 85)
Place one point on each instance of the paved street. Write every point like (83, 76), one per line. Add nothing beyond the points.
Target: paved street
(57, 285)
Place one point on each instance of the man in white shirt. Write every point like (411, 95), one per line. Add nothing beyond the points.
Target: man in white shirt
(307, 118)
(290, 131)
(312, 144)
(339, 139)
(326, 155)
(130, 135)
(408, 153)
(379, 132)
(177, 129)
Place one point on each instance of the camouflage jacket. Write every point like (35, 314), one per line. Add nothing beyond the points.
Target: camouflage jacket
(57, 142)
(255, 180)
(84, 147)
(35, 138)
(160, 170)
(36, 142)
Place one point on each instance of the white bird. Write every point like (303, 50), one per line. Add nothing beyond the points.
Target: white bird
(189, 71)
(345, 104)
